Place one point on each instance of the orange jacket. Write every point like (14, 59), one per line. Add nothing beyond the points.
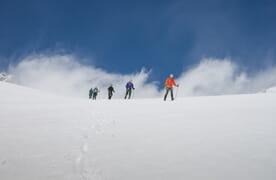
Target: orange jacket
(170, 82)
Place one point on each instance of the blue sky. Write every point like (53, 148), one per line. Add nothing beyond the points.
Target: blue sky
(124, 36)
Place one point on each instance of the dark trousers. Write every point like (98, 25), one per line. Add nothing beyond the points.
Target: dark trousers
(128, 92)
(167, 91)
(95, 95)
(110, 94)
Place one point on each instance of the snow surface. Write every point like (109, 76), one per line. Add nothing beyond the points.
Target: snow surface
(194, 138)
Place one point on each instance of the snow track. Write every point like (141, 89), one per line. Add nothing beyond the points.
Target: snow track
(86, 161)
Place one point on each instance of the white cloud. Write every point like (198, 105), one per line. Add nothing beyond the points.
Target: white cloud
(217, 77)
(62, 74)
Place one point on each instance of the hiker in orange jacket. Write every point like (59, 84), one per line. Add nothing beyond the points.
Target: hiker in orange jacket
(169, 83)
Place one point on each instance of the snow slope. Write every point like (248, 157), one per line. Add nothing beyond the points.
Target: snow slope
(201, 138)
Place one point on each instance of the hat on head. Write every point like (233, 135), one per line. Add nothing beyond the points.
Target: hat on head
(171, 75)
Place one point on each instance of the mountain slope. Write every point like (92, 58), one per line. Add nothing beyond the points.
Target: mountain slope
(49, 137)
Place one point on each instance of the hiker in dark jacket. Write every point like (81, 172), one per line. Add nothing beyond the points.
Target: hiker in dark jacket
(110, 90)
(95, 92)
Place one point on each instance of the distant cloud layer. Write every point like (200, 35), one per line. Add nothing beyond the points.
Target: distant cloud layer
(222, 76)
(62, 74)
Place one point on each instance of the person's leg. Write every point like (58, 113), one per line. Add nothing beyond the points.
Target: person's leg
(167, 90)
(126, 93)
(129, 93)
(171, 89)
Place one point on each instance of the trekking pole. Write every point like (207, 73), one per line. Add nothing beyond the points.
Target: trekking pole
(176, 91)
(132, 94)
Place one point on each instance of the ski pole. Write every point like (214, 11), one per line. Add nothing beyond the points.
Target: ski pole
(132, 94)
(176, 91)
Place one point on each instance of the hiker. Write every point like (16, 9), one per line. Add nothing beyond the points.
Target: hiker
(169, 83)
(90, 93)
(129, 88)
(110, 90)
(95, 92)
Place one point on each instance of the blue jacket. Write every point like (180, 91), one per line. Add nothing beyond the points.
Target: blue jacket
(130, 85)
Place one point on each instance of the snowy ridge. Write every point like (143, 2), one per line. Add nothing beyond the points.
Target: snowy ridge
(4, 77)
(221, 137)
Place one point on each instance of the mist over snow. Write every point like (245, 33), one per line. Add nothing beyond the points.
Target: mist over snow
(64, 75)
(218, 77)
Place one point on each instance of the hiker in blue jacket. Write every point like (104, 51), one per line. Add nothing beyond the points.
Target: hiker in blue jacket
(129, 88)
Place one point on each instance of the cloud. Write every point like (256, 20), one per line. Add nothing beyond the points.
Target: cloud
(222, 76)
(64, 75)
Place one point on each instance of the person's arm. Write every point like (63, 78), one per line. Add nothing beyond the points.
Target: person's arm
(177, 85)
(174, 83)
(166, 83)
